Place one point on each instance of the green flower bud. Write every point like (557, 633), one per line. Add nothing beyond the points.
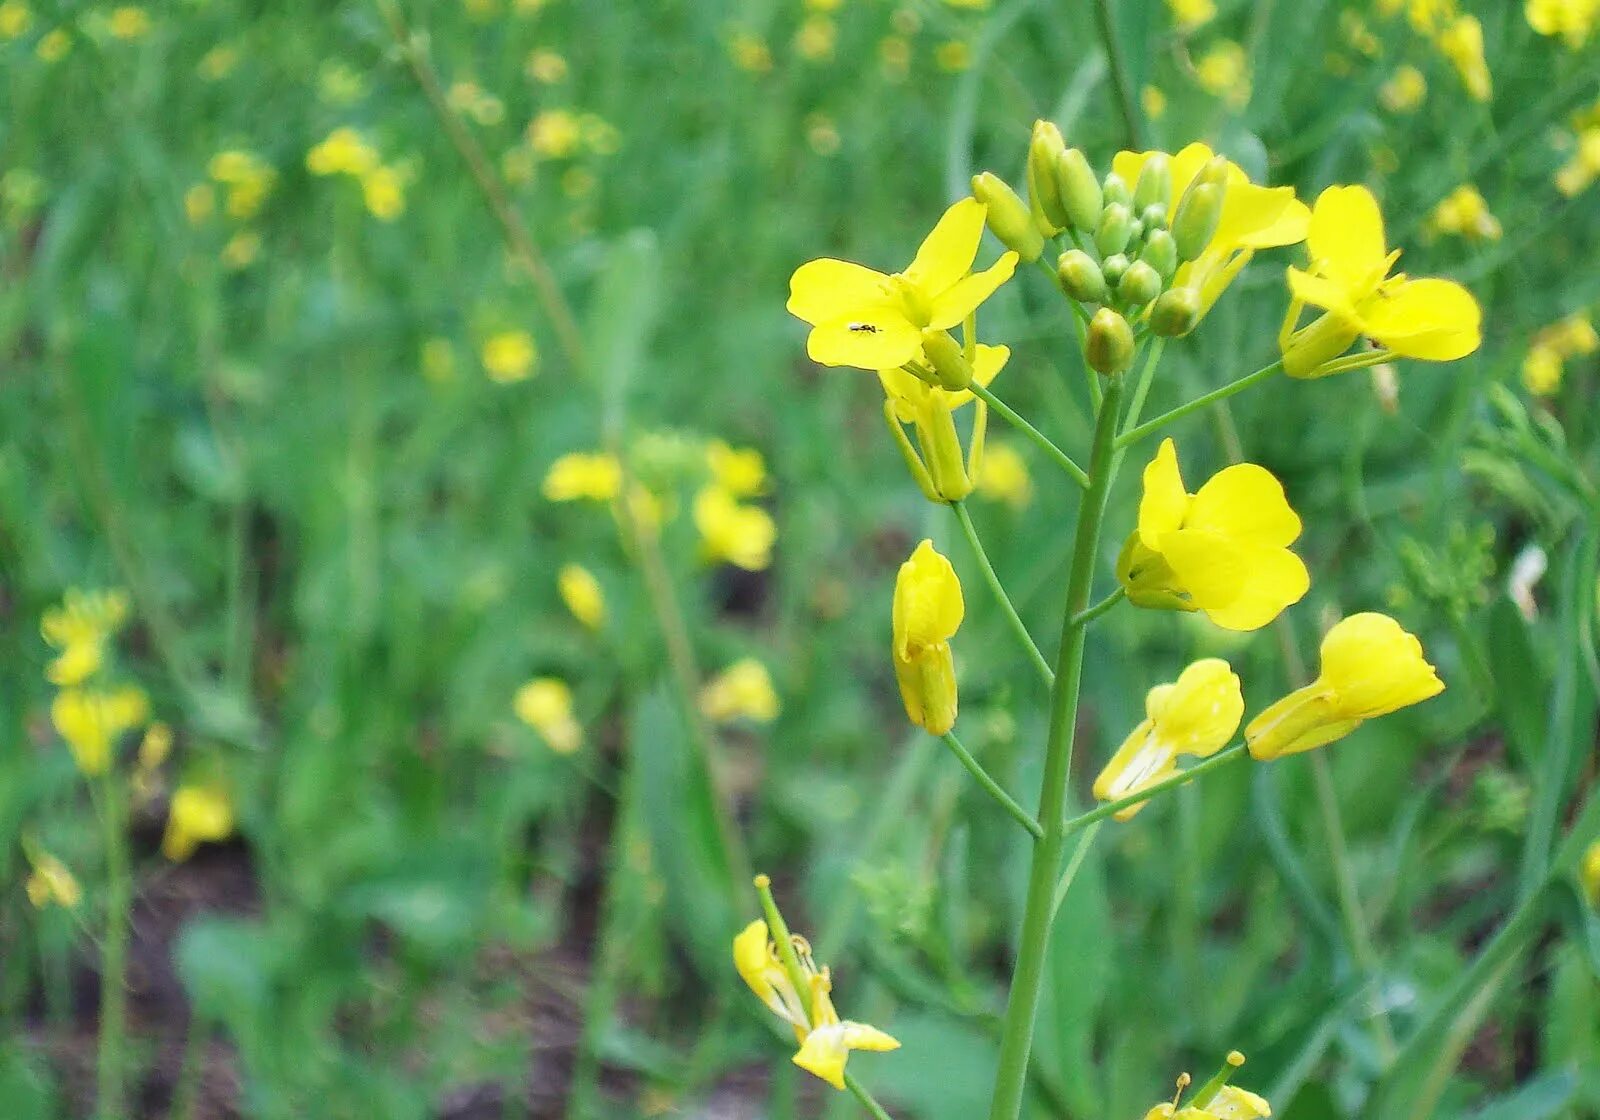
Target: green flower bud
(1044, 193)
(1080, 277)
(1115, 229)
(945, 356)
(1079, 190)
(1139, 285)
(1109, 347)
(1008, 216)
(1160, 252)
(1113, 267)
(1176, 313)
(1214, 171)
(1115, 189)
(1199, 211)
(1155, 182)
(1154, 216)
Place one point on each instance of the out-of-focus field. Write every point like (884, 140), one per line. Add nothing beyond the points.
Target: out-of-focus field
(270, 364)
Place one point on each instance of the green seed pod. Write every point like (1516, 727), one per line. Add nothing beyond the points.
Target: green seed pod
(1115, 229)
(1079, 190)
(1113, 267)
(1115, 189)
(1196, 220)
(1139, 285)
(1008, 216)
(1154, 216)
(1044, 193)
(1176, 313)
(1080, 277)
(1109, 347)
(945, 356)
(1155, 182)
(1160, 252)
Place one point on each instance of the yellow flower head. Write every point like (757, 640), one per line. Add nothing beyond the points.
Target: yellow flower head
(1583, 168)
(546, 67)
(15, 19)
(937, 462)
(1195, 715)
(1224, 550)
(80, 628)
(1433, 320)
(51, 881)
(1461, 42)
(343, 152)
(1370, 667)
(741, 691)
(927, 612)
(128, 22)
(1573, 20)
(200, 814)
(1404, 91)
(1004, 476)
(595, 477)
(865, 319)
(92, 719)
(733, 532)
(53, 45)
(1190, 14)
(1542, 368)
(509, 356)
(383, 192)
(545, 704)
(1464, 213)
(1224, 71)
(580, 591)
(740, 471)
(555, 134)
(825, 1040)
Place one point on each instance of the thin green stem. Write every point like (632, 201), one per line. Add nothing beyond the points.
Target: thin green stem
(1018, 627)
(1085, 842)
(1121, 83)
(1146, 378)
(1062, 459)
(992, 787)
(874, 1109)
(1027, 978)
(1219, 394)
(110, 1064)
(1183, 777)
(1100, 608)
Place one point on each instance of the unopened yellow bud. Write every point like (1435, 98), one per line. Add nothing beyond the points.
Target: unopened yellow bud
(1008, 216)
(1115, 229)
(1081, 277)
(1044, 193)
(1155, 182)
(1109, 347)
(1114, 188)
(1193, 225)
(945, 355)
(1160, 252)
(1175, 313)
(1113, 267)
(1079, 190)
(1139, 285)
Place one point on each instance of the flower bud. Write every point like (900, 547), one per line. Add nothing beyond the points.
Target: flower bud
(1008, 216)
(1080, 277)
(1199, 211)
(1109, 347)
(1154, 216)
(1160, 252)
(945, 356)
(1139, 285)
(1115, 229)
(1115, 189)
(1176, 313)
(1079, 189)
(1113, 267)
(1214, 171)
(1155, 182)
(1044, 193)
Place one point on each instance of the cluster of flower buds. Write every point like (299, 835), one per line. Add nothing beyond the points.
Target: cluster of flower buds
(1128, 247)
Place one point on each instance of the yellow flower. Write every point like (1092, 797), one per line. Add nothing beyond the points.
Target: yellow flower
(472, 100)
(953, 56)
(383, 191)
(1224, 550)
(865, 319)
(1224, 71)
(1545, 361)
(342, 152)
(1542, 368)
(200, 814)
(1404, 91)
(1583, 168)
(971, 5)
(1461, 42)
(1433, 320)
(749, 52)
(340, 85)
(1370, 667)
(732, 531)
(546, 67)
(595, 477)
(936, 461)
(155, 746)
(741, 691)
(927, 612)
(580, 591)
(53, 46)
(1573, 20)
(1190, 14)
(80, 628)
(1464, 213)
(741, 472)
(128, 22)
(554, 134)
(1588, 874)
(822, 134)
(50, 881)
(241, 250)
(249, 180)
(199, 203)
(1003, 476)
(92, 719)
(509, 356)
(1153, 101)
(815, 39)
(545, 704)
(1195, 715)
(825, 1040)
(15, 19)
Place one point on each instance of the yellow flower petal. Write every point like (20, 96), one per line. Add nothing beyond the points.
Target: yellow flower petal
(1247, 503)
(956, 302)
(872, 343)
(947, 253)
(1201, 711)
(1207, 564)
(821, 291)
(1278, 579)
(825, 1050)
(1376, 667)
(1436, 320)
(1256, 217)
(1165, 501)
(1346, 236)
(928, 607)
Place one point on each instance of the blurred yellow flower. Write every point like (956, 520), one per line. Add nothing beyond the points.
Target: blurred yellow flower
(218, 63)
(200, 814)
(1223, 550)
(339, 84)
(155, 746)
(822, 134)
(53, 46)
(1588, 874)
(80, 628)
(546, 67)
(749, 52)
(1542, 369)
(953, 56)
(1190, 14)
(595, 477)
(241, 250)
(740, 471)
(865, 319)
(823, 5)
(1003, 476)
(741, 691)
(815, 40)
(927, 612)
(383, 192)
(732, 531)
(50, 881)
(545, 704)
(1404, 91)
(1370, 667)
(1461, 42)
(554, 133)
(1432, 320)
(581, 593)
(92, 719)
(894, 53)
(825, 1040)
(1464, 213)
(15, 19)
(1358, 34)
(1544, 364)
(248, 178)
(1153, 101)
(936, 462)
(128, 22)
(1195, 715)
(509, 356)
(1224, 71)
(342, 152)
(1584, 167)
(472, 100)
(1573, 20)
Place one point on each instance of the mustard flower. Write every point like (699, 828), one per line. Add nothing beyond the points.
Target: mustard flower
(1228, 1103)
(927, 613)
(1404, 91)
(1188, 15)
(1003, 476)
(1464, 213)
(732, 531)
(581, 593)
(749, 52)
(740, 471)
(241, 250)
(936, 462)
(1573, 20)
(825, 1040)
(953, 56)
(816, 38)
(200, 814)
(92, 719)
(248, 178)
(509, 356)
(1195, 715)
(1153, 101)
(546, 67)
(15, 19)
(199, 203)
(1370, 667)
(80, 628)
(342, 152)
(383, 192)
(1433, 320)
(1461, 41)
(545, 704)
(741, 691)
(50, 881)
(1224, 71)
(595, 477)
(1223, 550)
(1545, 362)
(128, 22)
(1576, 175)
(865, 319)
(53, 45)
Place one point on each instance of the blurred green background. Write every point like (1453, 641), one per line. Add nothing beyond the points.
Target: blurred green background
(301, 407)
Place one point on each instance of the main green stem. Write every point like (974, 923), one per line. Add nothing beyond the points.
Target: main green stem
(1027, 979)
(114, 955)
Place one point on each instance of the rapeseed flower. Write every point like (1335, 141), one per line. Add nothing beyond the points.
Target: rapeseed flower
(740, 471)
(383, 192)
(53, 45)
(936, 462)
(545, 704)
(1224, 71)
(1589, 874)
(1195, 715)
(50, 881)
(1579, 172)
(509, 356)
(15, 19)
(927, 613)
(342, 152)
(80, 628)
(1461, 41)
(579, 475)
(1433, 320)
(199, 814)
(741, 691)
(248, 178)
(953, 56)
(1573, 20)
(871, 321)
(1187, 15)
(1370, 667)
(732, 531)
(581, 593)
(1404, 91)
(1545, 362)
(1003, 476)
(92, 719)
(546, 67)
(816, 38)
(128, 22)
(1223, 550)
(1464, 213)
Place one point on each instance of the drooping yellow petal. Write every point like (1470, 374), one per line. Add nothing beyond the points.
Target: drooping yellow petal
(1256, 217)
(953, 304)
(825, 1050)
(1375, 667)
(1247, 504)
(1165, 501)
(876, 341)
(1201, 711)
(1346, 236)
(826, 289)
(947, 253)
(1278, 580)
(1234, 1103)
(928, 607)
(1436, 320)
(753, 962)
